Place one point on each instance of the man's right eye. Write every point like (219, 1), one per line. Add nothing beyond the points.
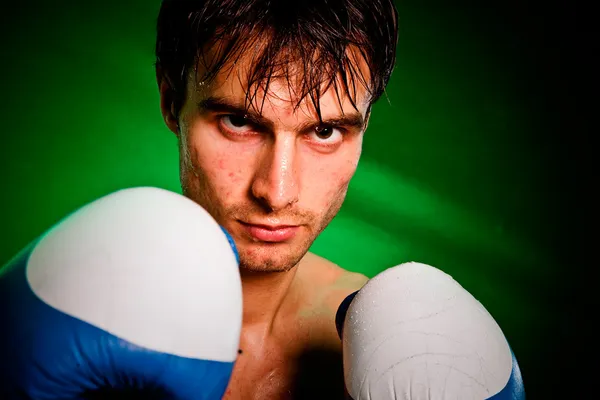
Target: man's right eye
(235, 123)
(237, 120)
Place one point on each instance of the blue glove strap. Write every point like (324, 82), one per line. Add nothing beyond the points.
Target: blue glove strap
(232, 244)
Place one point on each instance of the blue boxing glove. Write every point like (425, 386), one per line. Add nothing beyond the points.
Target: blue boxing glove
(135, 293)
(413, 333)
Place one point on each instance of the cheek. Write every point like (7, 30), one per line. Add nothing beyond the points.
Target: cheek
(223, 169)
(345, 167)
(331, 186)
(228, 174)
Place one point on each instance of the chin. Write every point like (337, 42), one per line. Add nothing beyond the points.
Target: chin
(266, 257)
(264, 268)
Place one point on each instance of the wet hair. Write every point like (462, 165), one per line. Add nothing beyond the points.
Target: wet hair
(313, 44)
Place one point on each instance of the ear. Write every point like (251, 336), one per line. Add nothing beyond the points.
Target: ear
(167, 101)
(367, 118)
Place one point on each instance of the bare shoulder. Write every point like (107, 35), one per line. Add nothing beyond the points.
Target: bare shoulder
(329, 275)
(326, 285)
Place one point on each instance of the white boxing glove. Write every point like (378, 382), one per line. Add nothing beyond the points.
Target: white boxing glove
(135, 295)
(413, 333)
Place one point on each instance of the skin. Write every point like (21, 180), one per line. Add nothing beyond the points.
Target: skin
(286, 169)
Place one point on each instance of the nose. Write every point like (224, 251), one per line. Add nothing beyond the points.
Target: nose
(275, 183)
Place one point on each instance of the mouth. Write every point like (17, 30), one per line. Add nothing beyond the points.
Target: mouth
(270, 233)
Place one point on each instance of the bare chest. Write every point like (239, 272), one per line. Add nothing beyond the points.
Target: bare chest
(262, 375)
(281, 372)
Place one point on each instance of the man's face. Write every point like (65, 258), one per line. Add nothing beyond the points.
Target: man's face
(274, 180)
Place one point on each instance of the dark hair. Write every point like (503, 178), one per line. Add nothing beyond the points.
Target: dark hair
(309, 39)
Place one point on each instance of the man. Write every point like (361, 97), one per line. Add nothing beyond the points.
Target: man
(139, 294)
(270, 101)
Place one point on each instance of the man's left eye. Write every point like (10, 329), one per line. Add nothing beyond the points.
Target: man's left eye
(327, 134)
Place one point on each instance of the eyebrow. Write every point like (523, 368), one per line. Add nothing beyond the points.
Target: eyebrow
(221, 104)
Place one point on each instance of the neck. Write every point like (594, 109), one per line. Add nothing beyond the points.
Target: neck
(264, 293)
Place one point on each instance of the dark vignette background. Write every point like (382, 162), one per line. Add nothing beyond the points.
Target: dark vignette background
(478, 162)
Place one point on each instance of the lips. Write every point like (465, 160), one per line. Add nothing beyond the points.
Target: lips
(271, 233)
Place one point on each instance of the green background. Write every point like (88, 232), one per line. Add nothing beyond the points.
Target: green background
(464, 164)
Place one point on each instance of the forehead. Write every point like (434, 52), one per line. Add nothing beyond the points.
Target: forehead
(285, 79)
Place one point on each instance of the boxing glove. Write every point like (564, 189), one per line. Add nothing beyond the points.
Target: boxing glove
(412, 332)
(136, 294)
